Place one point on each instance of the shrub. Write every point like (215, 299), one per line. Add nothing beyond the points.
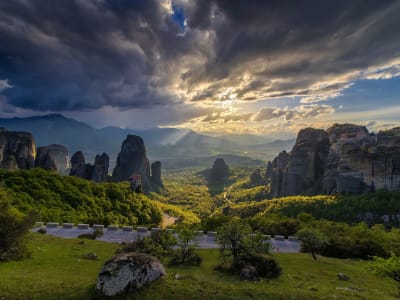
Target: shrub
(265, 266)
(159, 244)
(14, 228)
(386, 267)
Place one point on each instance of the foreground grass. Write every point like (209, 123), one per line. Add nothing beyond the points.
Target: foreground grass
(57, 271)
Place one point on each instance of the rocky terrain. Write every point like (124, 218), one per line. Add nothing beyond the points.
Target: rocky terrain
(345, 158)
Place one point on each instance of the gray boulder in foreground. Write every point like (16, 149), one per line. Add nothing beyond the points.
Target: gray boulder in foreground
(127, 272)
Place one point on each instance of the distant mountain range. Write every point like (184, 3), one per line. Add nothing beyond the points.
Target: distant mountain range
(161, 143)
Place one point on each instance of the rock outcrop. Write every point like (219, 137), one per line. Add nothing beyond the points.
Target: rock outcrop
(156, 173)
(256, 178)
(305, 167)
(128, 272)
(53, 157)
(344, 159)
(97, 172)
(132, 161)
(78, 165)
(100, 168)
(17, 150)
(220, 170)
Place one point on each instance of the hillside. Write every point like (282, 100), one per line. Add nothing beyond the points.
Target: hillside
(71, 199)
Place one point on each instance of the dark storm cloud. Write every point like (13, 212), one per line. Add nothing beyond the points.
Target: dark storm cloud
(87, 54)
(84, 54)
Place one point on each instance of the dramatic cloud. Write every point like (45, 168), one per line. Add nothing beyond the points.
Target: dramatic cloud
(110, 55)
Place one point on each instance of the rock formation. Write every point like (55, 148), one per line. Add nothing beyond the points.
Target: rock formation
(100, 168)
(156, 173)
(97, 172)
(220, 170)
(256, 178)
(53, 157)
(17, 150)
(132, 160)
(359, 161)
(78, 165)
(344, 159)
(128, 272)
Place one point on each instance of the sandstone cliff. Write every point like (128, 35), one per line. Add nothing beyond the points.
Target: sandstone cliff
(97, 172)
(17, 150)
(53, 157)
(344, 159)
(219, 171)
(132, 160)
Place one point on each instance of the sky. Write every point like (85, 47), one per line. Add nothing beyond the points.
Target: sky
(218, 66)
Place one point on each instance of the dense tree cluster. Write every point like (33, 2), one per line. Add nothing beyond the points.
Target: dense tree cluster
(72, 199)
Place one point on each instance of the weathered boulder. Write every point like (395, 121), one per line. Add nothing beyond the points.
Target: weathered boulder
(78, 165)
(220, 170)
(17, 150)
(132, 160)
(128, 272)
(249, 273)
(256, 178)
(156, 173)
(53, 157)
(100, 168)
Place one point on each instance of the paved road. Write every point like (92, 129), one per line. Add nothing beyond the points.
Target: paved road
(204, 241)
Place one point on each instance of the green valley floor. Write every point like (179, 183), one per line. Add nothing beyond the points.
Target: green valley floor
(57, 270)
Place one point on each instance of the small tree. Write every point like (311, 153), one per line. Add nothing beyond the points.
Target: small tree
(312, 240)
(236, 241)
(185, 244)
(14, 228)
(246, 249)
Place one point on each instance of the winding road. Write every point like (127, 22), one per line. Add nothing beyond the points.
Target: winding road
(203, 241)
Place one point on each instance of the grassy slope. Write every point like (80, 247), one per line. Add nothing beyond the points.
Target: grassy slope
(57, 271)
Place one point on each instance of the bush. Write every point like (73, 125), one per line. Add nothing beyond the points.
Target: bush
(159, 244)
(266, 267)
(386, 267)
(14, 228)
(192, 260)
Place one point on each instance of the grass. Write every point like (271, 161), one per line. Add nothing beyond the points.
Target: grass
(57, 271)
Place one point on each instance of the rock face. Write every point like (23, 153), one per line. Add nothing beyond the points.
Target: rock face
(53, 157)
(219, 170)
(256, 178)
(128, 272)
(359, 161)
(100, 168)
(305, 167)
(344, 159)
(132, 160)
(17, 150)
(156, 173)
(97, 172)
(78, 165)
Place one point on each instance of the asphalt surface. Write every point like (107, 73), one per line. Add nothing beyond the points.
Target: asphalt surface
(203, 241)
